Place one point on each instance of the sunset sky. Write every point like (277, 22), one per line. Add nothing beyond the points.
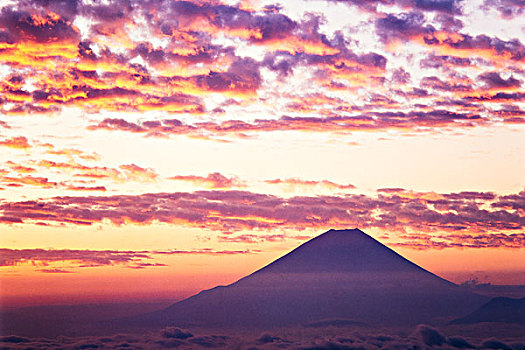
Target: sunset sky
(150, 149)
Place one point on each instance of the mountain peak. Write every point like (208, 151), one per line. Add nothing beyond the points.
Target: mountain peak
(354, 231)
(345, 234)
(341, 251)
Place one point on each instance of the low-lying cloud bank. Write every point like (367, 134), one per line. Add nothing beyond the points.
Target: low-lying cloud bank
(422, 337)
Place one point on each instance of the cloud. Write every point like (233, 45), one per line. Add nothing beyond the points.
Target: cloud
(446, 62)
(464, 219)
(28, 180)
(493, 80)
(19, 142)
(4, 125)
(95, 57)
(438, 84)
(177, 333)
(12, 257)
(440, 6)
(412, 26)
(347, 337)
(83, 175)
(507, 8)
(40, 28)
(14, 339)
(59, 271)
(125, 172)
(86, 188)
(397, 120)
(242, 77)
(404, 27)
(213, 180)
(500, 97)
(494, 344)
(459, 343)
(74, 259)
(309, 183)
(20, 168)
(430, 336)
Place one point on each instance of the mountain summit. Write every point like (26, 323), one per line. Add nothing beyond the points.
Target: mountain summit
(340, 251)
(341, 274)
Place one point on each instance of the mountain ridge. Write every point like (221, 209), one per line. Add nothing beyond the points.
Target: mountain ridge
(498, 309)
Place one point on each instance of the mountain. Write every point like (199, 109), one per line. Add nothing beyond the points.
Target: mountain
(341, 274)
(501, 309)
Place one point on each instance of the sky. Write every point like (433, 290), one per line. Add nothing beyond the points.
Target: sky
(150, 149)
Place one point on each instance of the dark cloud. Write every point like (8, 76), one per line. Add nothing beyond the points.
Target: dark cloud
(449, 23)
(66, 8)
(445, 6)
(177, 333)
(493, 80)
(494, 344)
(14, 339)
(445, 62)
(37, 27)
(498, 97)
(507, 8)
(459, 343)
(441, 6)
(242, 76)
(438, 84)
(430, 336)
(404, 27)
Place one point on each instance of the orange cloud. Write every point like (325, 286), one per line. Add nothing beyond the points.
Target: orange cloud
(29, 180)
(20, 168)
(19, 142)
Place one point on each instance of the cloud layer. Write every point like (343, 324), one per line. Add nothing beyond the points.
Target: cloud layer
(423, 337)
(200, 58)
(423, 220)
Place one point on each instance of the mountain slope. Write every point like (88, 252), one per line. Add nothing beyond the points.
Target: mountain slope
(501, 309)
(339, 274)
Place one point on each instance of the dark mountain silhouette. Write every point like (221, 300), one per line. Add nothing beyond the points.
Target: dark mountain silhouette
(501, 309)
(341, 274)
